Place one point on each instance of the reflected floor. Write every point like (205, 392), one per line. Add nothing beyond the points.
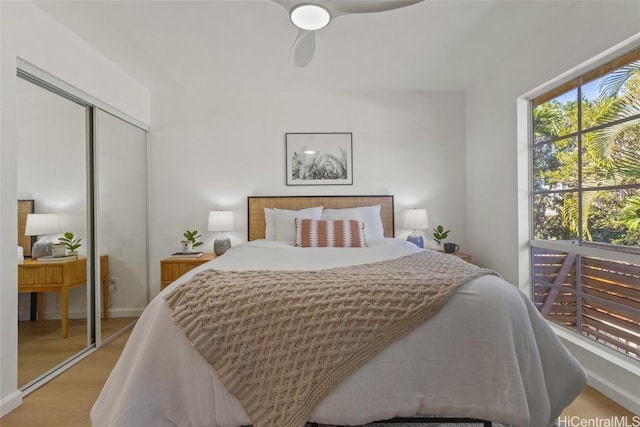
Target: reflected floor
(40, 346)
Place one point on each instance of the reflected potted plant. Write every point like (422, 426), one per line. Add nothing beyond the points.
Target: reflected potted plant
(71, 242)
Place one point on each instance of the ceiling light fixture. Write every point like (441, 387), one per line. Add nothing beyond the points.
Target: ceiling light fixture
(310, 17)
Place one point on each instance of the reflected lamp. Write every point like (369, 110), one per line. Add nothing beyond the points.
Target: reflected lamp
(42, 225)
(221, 221)
(415, 219)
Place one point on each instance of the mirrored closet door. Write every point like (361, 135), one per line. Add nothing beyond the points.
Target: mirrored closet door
(121, 157)
(82, 190)
(52, 150)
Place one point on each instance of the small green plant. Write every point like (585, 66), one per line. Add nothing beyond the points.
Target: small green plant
(70, 241)
(439, 234)
(192, 236)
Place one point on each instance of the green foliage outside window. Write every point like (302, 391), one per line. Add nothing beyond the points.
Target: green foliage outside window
(607, 206)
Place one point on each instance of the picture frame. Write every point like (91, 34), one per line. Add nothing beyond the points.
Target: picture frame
(319, 158)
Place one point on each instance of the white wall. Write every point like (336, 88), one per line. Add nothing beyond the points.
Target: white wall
(29, 33)
(493, 195)
(212, 150)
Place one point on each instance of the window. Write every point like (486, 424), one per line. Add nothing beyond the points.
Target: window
(585, 193)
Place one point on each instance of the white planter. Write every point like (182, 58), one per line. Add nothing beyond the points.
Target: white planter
(186, 246)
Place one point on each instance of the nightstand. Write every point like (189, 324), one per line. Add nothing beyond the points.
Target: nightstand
(174, 267)
(462, 255)
(61, 276)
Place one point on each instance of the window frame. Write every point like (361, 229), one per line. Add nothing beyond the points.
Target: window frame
(577, 82)
(580, 247)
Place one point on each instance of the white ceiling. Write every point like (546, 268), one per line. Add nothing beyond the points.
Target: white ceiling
(433, 45)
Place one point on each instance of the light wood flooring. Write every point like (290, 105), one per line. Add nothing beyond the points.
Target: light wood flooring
(41, 348)
(67, 400)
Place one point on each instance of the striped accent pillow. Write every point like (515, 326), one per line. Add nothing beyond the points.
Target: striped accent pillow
(312, 233)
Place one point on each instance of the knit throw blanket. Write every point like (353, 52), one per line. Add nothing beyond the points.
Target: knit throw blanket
(280, 341)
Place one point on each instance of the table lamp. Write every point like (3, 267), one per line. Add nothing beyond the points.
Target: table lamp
(221, 221)
(415, 219)
(42, 225)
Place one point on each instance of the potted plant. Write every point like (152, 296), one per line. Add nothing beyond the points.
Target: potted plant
(191, 241)
(439, 234)
(71, 242)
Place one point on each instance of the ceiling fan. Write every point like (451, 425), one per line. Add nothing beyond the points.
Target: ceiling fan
(313, 15)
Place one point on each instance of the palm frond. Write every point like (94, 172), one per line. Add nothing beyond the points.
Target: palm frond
(570, 212)
(548, 120)
(631, 213)
(603, 141)
(611, 85)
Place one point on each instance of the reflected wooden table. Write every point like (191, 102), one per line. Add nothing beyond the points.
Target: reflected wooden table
(60, 276)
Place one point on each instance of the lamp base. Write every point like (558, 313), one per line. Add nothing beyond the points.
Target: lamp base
(416, 239)
(42, 248)
(221, 244)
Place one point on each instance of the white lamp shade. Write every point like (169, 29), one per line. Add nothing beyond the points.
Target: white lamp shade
(41, 224)
(220, 221)
(415, 219)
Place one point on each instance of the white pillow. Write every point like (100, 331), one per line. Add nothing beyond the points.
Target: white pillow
(285, 221)
(373, 228)
(270, 227)
(370, 215)
(342, 214)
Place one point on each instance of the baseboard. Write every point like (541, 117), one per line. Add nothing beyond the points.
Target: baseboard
(126, 312)
(612, 391)
(10, 402)
(118, 312)
(611, 373)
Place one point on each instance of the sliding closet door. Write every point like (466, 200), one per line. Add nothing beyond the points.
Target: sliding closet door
(54, 140)
(121, 225)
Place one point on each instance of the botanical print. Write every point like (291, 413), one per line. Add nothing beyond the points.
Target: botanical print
(319, 158)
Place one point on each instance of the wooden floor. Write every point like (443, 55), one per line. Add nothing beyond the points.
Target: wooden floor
(591, 404)
(67, 400)
(41, 348)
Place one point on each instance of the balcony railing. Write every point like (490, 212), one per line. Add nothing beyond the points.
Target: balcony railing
(595, 297)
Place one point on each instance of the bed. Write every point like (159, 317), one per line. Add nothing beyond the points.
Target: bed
(486, 355)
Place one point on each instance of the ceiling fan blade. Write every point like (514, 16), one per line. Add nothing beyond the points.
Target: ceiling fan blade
(287, 4)
(303, 48)
(367, 6)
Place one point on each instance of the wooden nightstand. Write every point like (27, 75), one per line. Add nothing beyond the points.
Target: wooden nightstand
(173, 268)
(60, 276)
(462, 255)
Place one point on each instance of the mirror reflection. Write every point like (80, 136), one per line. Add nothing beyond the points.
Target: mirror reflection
(121, 224)
(52, 159)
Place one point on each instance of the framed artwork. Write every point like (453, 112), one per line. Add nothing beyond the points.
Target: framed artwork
(319, 158)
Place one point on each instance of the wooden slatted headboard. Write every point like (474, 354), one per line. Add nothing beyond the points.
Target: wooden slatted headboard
(25, 207)
(256, 205)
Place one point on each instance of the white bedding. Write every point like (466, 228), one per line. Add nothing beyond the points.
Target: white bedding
(488, 354)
